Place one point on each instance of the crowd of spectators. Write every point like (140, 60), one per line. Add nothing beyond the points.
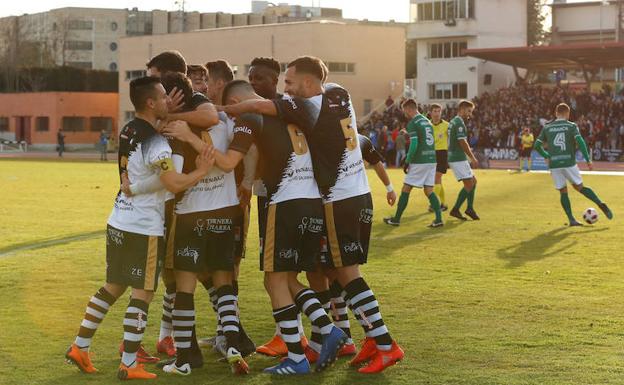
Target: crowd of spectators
(500, 116)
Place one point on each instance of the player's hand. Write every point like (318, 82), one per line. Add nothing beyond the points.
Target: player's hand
(590, 166)
(177, 129)
(175, 100)
(244, 196)
(474, 163)
(406, 167)
(206, 160)
(220, 108)
(125, 184)
(391, 197)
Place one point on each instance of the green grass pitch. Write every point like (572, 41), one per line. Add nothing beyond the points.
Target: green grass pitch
(516, 298)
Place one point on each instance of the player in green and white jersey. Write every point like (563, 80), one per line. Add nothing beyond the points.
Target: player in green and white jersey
(459, 153)
(420, 164)
(562, 137)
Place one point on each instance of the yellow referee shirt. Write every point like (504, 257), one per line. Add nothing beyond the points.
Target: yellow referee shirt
(527, 140)
(440, 132)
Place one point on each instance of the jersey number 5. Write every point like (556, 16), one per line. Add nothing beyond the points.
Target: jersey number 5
(559, 141)
(349, 134)
(429, 136)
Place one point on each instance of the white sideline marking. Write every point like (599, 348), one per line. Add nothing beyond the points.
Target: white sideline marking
(610, 173)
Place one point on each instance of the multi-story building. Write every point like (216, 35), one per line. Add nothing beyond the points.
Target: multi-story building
(587, 22)
(367, 59)
(443, 29)
(89, 37)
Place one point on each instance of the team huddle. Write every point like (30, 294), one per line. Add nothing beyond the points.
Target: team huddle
(182, 212)
(200, 144)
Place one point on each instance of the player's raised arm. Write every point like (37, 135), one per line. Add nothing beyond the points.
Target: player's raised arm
(255, 106)
(175, 182)
(204, 116)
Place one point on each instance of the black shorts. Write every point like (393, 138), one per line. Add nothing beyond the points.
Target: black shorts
(263, 208)
(133, 259)
(206, 240)
(294, 230)
(348, 224)
(442, 161)
(169, 231)
(240, 233)
(525, 152)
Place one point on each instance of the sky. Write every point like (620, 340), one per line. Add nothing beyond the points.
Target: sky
(352, 9)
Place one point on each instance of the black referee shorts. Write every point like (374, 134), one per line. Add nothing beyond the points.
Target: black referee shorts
(442, 161)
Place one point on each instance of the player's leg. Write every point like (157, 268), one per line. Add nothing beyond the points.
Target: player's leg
(434, 202)
(183, 319)
(339, 311)
(141, 268)
(439, 190)
(401, 205)
(567, 206)
(461, 172)
(441, 168)
(573, 175)
(319, 284)
(471, 186)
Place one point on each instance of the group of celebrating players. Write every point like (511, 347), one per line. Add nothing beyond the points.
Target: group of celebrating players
(199, 144)
(187, 172)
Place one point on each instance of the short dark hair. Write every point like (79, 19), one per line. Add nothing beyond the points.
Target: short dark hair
(465, 104)
(267, 62)
(168, 61)
(220, 69)
(409, 103)
(142, 89)
(562, 108)
(172, 80)
(196, 69)
(234, 86)
(433, 106)
(310, 65)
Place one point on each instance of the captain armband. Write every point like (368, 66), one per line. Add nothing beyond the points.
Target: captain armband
(165, 165)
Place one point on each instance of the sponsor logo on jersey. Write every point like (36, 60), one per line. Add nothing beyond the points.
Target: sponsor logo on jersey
(312, 225)
(243, 129)
(115, 236)
(213, 225)
(293, 105)
(289, 254)
(188, 252)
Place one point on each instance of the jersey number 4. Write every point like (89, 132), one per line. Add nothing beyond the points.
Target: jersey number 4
(559, 141)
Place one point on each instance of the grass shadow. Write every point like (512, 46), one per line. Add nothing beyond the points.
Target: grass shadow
(49, 242)
(541, 246)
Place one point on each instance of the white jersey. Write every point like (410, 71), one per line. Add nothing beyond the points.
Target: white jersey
(217, 189)
(141, 154)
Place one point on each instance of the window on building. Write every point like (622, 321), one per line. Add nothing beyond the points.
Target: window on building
(80, 64)
(447, 49)
(368, 106)
(4, 124)
(130, 75)
(128, 115)
(113, 46)
(442, 91)
(74, 123)
(340, 67)
(114, 26)
(77, 45)
(80, 24)
(42, 123)
(100, 123)
(442, 10)
(112, 66)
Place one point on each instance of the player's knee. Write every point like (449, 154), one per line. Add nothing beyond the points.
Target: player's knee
(563, 190)
(115, 290)
(143, 295)
(406, 188)
(578, 187)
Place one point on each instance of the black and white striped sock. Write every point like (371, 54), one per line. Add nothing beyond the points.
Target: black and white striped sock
(183, 321)
(339, 310)
(212, 292)
(228, 314)
(134, 324)
(309, 304)
(366, 308)
(166, 327)
(316, 338)
(286, 318)
(96, 311)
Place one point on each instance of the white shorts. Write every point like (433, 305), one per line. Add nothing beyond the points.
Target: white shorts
(461, 170)
(566, 174)
(420, 175)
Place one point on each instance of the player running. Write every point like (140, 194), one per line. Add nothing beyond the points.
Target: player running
(134, 236)
(420, 164)
(562, 137)
(459, 153)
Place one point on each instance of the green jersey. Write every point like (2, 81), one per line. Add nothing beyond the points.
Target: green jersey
(560, 138)
(456, 132)
(421, 131)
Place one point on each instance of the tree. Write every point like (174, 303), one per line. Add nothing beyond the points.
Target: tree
(536, 33)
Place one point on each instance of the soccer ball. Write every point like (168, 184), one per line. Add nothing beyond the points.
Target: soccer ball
(590, 216)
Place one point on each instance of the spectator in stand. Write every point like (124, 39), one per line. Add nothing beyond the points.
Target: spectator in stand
(60, 140)
(400, 145)
(103, 145)
(382, 140)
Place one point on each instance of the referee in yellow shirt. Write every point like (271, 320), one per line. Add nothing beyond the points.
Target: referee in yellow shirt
(440, 133)
(526, 146)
